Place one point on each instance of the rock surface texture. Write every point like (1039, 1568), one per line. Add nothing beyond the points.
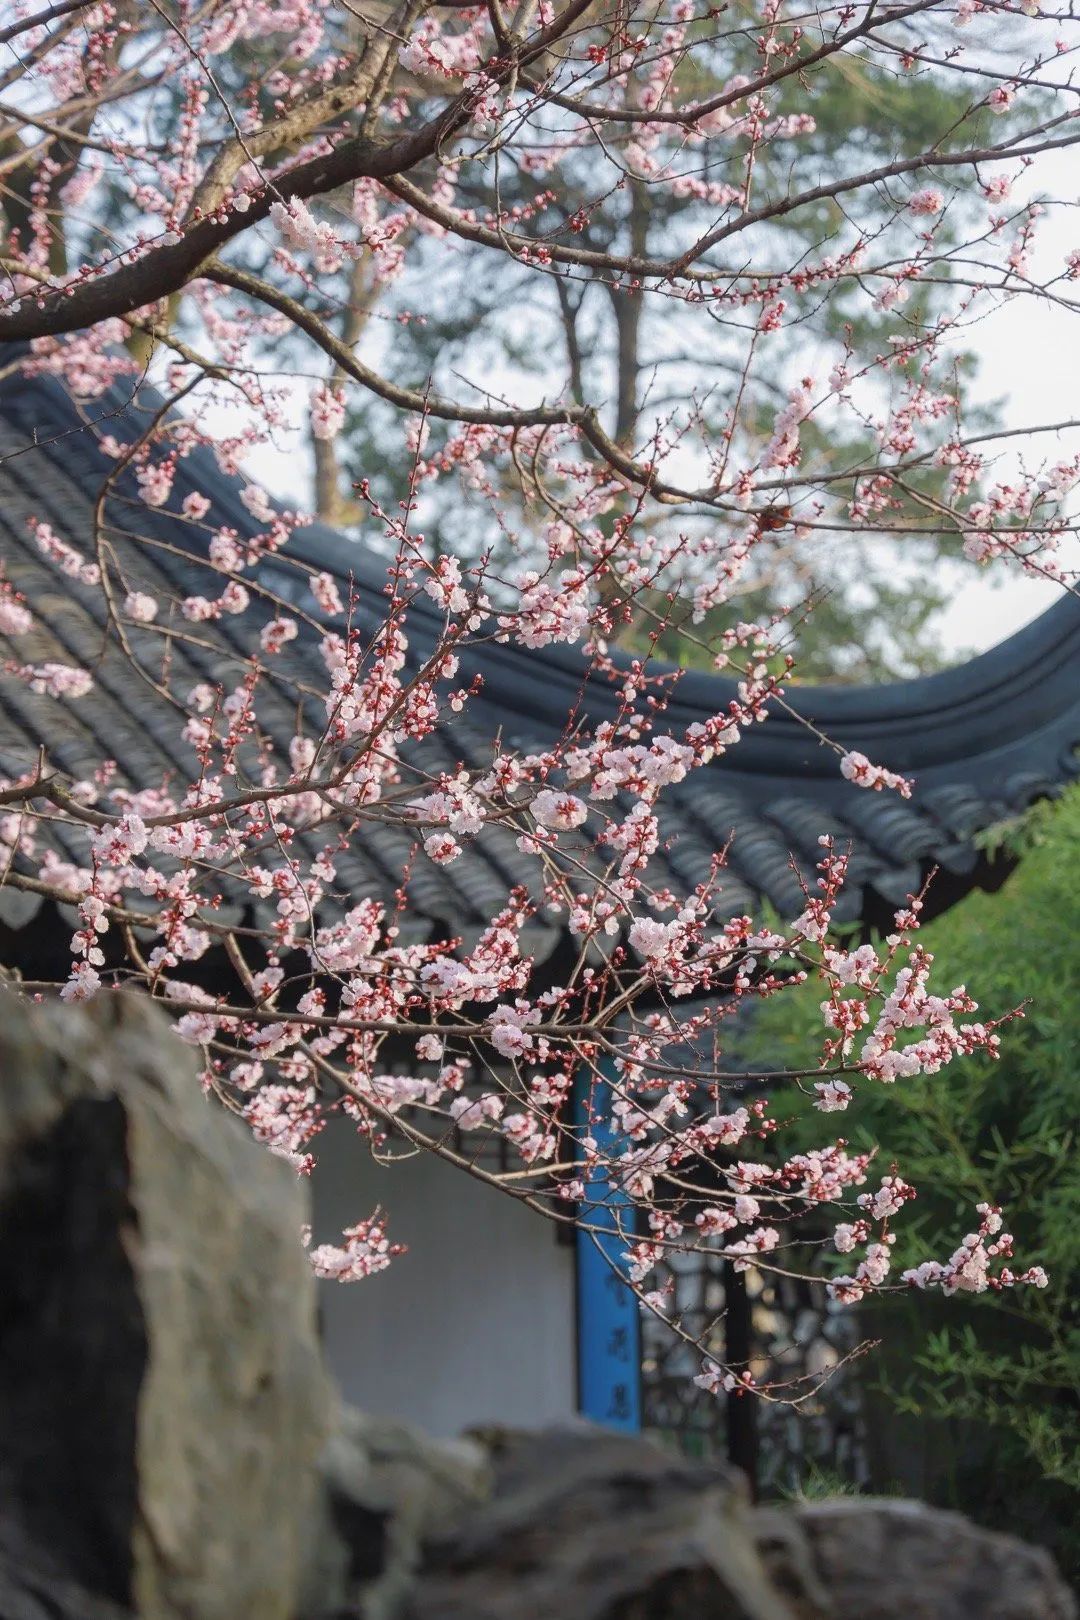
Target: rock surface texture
(384, 1493)
(879, 1559)
(171, 1448)
(162, 1399)
(586, 1524)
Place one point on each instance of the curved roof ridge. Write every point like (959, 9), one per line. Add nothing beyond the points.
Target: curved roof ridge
(983, 702)
(988, 704)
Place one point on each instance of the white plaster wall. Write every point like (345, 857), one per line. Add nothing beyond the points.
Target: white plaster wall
(474, 1325)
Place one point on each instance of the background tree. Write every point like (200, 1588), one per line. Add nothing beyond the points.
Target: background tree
(875, 602)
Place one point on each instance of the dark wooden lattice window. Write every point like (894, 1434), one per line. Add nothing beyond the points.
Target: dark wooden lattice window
(794, 1334)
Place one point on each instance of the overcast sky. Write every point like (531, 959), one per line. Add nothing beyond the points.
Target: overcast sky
(1029, 354)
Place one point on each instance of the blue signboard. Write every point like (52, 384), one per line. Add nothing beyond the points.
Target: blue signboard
(608, 1322)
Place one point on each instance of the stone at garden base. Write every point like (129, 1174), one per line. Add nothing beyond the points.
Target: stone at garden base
(29, 1592)
(788, 1556)
(587, 1525)
(162, 1399)
(384, 1490)
(170, 1448)
(881, 1559)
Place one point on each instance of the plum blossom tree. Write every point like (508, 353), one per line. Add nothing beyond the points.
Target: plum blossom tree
(216, 194)
(874, 602)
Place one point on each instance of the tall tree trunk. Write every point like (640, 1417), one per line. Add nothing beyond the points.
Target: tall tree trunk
(332, 505)
(627, 305)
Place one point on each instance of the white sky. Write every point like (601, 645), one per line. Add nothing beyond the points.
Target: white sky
(1029, 360)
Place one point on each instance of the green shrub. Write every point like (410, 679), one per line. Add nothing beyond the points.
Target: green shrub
(974, 1402)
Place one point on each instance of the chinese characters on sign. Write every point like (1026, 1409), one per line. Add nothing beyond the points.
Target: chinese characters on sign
(609, 1335)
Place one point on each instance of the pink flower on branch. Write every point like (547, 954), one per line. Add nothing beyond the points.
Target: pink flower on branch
(383, 772)
(855, 767)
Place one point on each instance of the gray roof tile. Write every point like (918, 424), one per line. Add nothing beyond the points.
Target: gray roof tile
(982, 740)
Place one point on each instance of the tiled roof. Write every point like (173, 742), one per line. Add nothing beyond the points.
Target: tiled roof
(982, 740)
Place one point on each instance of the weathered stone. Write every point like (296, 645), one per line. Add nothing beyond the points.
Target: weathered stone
(586, 1525)
(28, 1592)
(162, 1400)
(880, 1559)
(384, 1490)
(788, 1555)
(170, 1448)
